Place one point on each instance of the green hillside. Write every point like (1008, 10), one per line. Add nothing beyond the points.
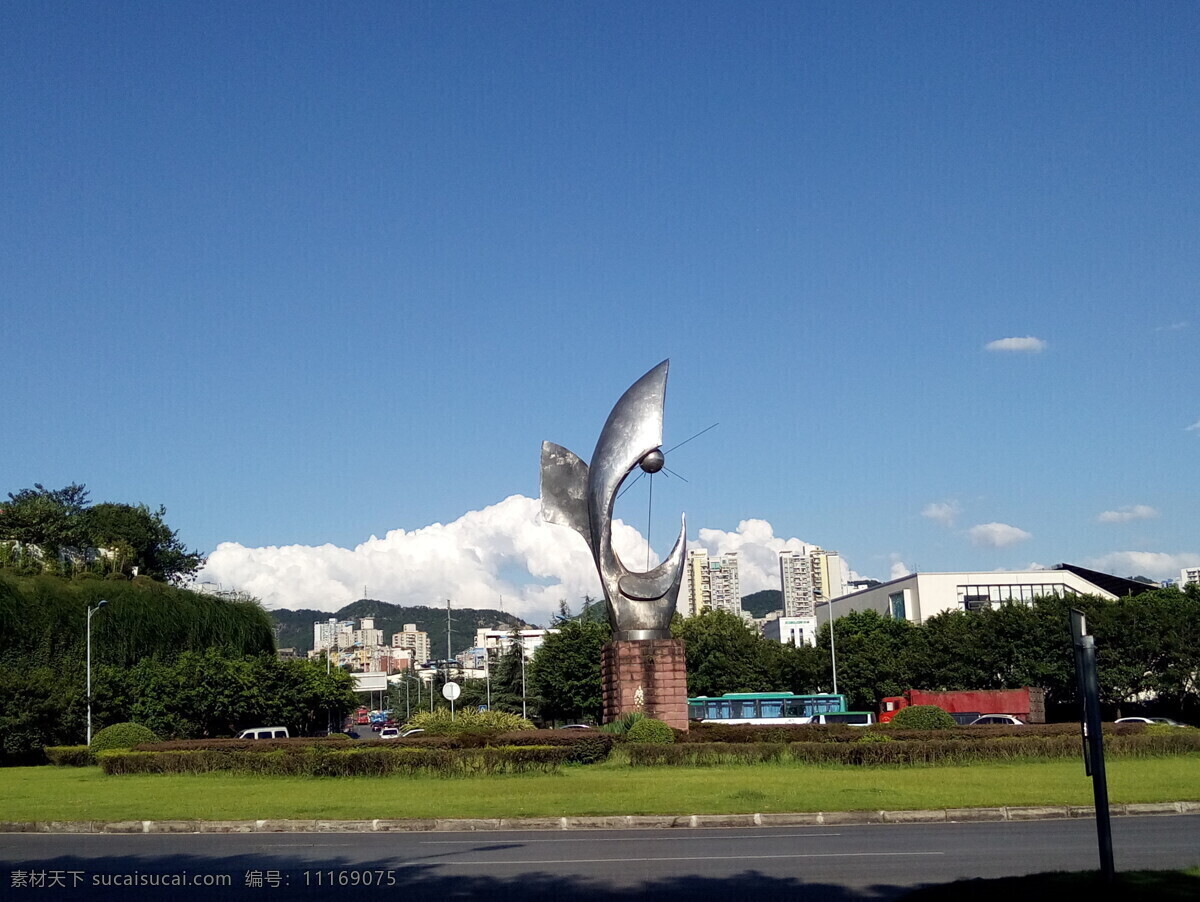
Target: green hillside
(295, 628)
(760, 604)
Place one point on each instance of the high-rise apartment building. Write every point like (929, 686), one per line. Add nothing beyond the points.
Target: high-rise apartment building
(827, 578)
(795, 574)
(414, 639)
(809, 577)
(713, 584)
(1188, 576)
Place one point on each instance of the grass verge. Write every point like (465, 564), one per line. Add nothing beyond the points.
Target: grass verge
(51, 793)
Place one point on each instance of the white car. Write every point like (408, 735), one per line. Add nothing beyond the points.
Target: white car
(1160, 720)
(997, 719)
(415, 731)
(389, 733)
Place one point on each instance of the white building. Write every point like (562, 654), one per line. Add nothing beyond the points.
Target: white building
(366, 636)
(1189, 576)
(496, 642)
(791, 630)
(919, 596)
(331, 632)
(415, 640)
(712, 584)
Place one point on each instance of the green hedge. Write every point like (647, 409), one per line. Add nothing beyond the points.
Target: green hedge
(584, 746)
(910, 752)
(70, 755)
(745, 733)
(317, 761)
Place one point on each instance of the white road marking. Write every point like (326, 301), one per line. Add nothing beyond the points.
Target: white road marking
(492, 864)
(475, 842)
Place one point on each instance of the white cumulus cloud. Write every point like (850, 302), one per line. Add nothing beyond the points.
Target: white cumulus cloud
(898, 568)
(1127, 513)
(1193, 427)
(504, 551)
(758, 552)
(1026, 345)
(1154, 564)
(997, 535)
(944, 512)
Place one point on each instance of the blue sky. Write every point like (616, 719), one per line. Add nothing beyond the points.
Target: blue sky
(312, 273)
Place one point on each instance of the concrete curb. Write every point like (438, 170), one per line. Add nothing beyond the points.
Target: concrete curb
(612, 822)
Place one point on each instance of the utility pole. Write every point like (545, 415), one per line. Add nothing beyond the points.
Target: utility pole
(448, 656)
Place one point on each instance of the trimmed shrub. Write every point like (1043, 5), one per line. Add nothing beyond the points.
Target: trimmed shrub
(70, 755)
(439, 723)
(650, 731)
(121, 736)
(924, 717)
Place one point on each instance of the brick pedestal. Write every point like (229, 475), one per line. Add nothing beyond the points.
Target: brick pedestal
(657, 668)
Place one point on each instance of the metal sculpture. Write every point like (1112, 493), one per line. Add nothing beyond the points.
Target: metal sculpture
(575, 494)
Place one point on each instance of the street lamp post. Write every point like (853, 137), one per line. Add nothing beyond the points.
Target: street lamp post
(832, 645)
(92, 609)
(524, 713)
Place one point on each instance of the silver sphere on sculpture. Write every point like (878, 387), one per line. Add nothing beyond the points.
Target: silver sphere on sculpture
(653, 462)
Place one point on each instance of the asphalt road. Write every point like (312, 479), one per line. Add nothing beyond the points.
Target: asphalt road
(842, 864)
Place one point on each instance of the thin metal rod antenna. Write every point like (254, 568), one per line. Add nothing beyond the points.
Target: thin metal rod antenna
(649, 510)
(673, 473)
(697, 435)
(631, 485)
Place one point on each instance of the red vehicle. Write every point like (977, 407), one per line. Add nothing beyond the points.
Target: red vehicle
(362, 716)
(1028, 704)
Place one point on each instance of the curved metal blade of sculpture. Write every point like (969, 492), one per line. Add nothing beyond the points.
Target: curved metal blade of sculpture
(575, 494)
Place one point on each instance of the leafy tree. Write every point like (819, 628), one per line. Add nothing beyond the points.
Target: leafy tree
(141, 538)
(48, 518)
(134, 536)
(723, 654)
(565, 671)
(876, 657)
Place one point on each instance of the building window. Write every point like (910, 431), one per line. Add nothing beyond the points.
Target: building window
(897, 604)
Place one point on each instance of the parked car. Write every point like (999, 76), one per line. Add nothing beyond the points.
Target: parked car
(1007, 720)
(353, 734)
(850, 718)
(577, 726)
(415, 731)
(389, 733)
(264, 733)
(1161, 720)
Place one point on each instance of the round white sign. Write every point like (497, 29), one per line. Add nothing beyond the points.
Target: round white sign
(451, 691)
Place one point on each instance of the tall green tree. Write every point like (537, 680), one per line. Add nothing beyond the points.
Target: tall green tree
(876, 657)
(140, 538)
(50, 519)
(565, 671)
(724, 654)
(511, 689)
(133, 539)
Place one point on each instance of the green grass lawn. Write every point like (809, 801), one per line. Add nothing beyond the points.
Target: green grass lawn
(51, 793)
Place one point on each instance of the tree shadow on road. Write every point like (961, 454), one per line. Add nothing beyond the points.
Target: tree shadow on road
(272, 876)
